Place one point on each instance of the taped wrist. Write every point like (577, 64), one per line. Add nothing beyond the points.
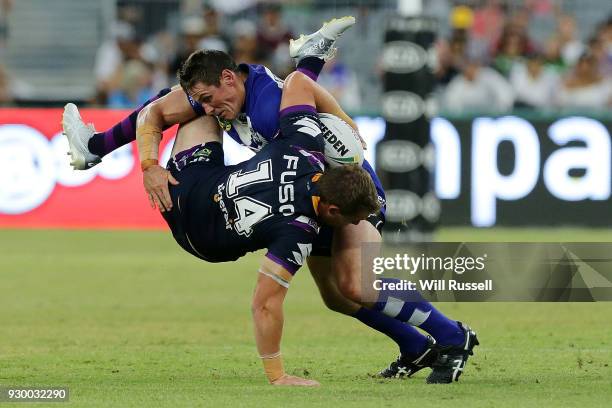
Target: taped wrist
(273, 366)
(148, 138)
(145, 164)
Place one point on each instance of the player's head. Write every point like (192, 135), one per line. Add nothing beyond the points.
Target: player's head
(348, 195)
(211, 77)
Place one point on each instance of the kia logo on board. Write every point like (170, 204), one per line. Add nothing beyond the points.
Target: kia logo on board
(402, 106)
(398, 156)
(403, 57)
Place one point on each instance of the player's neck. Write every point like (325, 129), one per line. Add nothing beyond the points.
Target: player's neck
(243, 76)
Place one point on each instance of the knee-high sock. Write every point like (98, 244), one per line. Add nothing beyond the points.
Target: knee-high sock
(102, 143)
(311, 67)
(410, 307)
(410, 340)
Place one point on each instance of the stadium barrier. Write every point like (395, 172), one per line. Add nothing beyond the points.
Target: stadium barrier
(488, 171)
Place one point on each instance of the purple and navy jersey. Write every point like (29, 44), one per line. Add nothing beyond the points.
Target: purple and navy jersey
(259, 121)
(223, 212)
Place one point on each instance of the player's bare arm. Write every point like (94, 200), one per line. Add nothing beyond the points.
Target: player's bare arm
(301, 90)
(169, 110)
(267, 309)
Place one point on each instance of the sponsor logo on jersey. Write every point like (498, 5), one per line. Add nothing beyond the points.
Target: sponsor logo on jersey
(218, 198)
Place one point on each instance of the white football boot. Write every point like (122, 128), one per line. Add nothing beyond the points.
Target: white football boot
(320, 44)
(78, 135)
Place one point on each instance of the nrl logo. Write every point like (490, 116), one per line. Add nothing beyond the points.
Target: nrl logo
(203, 153)
(226, 125)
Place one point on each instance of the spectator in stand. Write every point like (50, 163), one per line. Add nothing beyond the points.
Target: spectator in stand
(214, 38)
(533, 84)
(478, 89)
(585, 88)
(244, 46)
(271, 31)
(6, 94)
(487, 26)
(571, 46)
(552, 55)
(451, 56)
(342, 82)
(601, 45)
(595, 47)
(134, 88)
(5, 9)
(512, 47)
(192, 32)
(112, 54)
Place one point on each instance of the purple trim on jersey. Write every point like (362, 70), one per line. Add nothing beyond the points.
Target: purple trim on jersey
(292, 269)
(314, 158)
(297, 108)
(308, 73)
(184, 154)
(197, 108)
(304, 226)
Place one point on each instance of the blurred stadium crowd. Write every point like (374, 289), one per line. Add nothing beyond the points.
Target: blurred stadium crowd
(492, 55)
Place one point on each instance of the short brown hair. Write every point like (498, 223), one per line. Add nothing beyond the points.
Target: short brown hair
(204, 66)
(350, 188)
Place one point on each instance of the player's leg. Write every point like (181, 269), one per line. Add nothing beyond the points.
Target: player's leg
(347, 261)
(320, 269)
(311, 51)
(87, 147)
(410, 307)
(415, 348)
(198, 131)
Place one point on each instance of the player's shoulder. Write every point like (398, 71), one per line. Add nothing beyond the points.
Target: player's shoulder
(288, 229)
(261, 75)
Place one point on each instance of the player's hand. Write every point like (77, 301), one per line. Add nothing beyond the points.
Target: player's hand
(293, 380)
(155, 180)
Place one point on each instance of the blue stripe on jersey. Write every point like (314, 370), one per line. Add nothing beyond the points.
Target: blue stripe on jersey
(260, 119)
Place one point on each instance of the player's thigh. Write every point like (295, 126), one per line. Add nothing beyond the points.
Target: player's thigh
(348, 256)
(198, 131)
(321, 271)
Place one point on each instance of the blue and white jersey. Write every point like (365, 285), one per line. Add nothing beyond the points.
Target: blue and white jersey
(258, 123)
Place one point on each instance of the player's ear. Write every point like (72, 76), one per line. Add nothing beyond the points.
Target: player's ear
(227, 77)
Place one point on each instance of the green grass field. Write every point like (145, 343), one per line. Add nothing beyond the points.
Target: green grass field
(126, 319)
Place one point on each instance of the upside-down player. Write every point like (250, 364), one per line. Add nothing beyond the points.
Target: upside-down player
(275, 200)
(246, 101)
